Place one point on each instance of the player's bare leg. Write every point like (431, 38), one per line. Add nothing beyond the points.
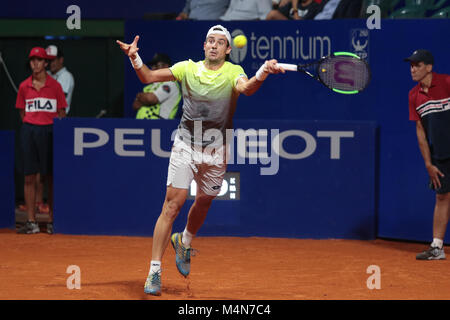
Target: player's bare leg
(31, 225)
(181, 242)
(440, 220)
(441, 215)
(30, 196)
(198, 212)
(173, 202)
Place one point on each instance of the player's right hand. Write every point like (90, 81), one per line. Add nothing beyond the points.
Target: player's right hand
(129, 49)
(434, 174)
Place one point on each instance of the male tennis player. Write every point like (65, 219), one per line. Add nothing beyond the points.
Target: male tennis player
(429, 107)
(210, 91)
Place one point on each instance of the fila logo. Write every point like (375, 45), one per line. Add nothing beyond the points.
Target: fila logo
(40, 104)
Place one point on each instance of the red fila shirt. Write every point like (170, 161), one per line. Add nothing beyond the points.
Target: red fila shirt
(433, 108)
(40, 106)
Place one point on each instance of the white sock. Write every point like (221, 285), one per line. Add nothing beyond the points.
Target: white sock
(437, 243)
(187, 238)
(155, 266)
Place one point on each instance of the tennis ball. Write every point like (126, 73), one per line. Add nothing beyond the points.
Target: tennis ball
(240, 41)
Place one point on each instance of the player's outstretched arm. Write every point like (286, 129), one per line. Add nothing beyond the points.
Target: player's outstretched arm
(143, 72)
(250, 86)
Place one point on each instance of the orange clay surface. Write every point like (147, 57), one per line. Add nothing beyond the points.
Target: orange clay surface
(113, 267)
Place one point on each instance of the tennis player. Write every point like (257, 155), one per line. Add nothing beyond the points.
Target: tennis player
(210, 91)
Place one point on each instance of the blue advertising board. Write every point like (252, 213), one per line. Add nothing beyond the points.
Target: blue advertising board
(292, 178)
(7, 189)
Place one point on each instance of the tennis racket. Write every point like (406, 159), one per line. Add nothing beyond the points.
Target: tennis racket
(342, 72)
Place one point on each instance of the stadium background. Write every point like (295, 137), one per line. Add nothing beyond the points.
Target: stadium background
(399, 204)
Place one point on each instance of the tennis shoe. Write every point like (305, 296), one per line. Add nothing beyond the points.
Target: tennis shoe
(29, 228)
(153, 283)
(182, 254)
(433, 253)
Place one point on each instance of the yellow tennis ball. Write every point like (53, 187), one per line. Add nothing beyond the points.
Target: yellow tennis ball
(240, 41)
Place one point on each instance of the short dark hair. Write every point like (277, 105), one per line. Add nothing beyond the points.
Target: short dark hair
(160, 57)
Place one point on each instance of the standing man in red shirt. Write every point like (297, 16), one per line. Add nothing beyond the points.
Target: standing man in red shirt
(429, 107)
(40, 99)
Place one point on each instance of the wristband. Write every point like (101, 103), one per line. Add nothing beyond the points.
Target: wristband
(137, 62)
(261, 74)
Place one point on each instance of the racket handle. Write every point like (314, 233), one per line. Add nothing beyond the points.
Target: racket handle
(288, 66)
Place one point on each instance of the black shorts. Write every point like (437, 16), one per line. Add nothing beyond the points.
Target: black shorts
(444, 167)
(37, 148)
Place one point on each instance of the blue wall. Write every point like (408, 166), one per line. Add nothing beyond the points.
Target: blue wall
(324, 194)
(404, 203)
(7, 199)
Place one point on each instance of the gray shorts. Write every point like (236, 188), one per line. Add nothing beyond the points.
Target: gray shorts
(206, 166)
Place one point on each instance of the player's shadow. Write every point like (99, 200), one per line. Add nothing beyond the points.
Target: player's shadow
(134, 289)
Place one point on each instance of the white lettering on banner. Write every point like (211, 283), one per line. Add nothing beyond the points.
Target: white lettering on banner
(251, 144)
(156, 143)
(40, 104)
(335, 136)
(79, 143)
(120, 142)
(289, 47)
(309, 140)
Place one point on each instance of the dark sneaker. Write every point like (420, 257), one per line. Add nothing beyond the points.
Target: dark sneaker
(29, 228)
(50, 228)
(433, 253)
(182, 254)
(153, 284)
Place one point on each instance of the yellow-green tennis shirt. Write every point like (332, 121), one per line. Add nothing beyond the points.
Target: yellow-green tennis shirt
(209, 96)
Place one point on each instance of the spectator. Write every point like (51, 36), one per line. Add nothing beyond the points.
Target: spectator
(291, 10)
(40, 99)
(158, 100)
(348, 9)
(247, 10)
(203, 10)
(60, 73)
(328, 10)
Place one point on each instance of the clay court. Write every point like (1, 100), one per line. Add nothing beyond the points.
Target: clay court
(115, 267)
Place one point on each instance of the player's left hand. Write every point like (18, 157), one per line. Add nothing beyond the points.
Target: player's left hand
(129, 49)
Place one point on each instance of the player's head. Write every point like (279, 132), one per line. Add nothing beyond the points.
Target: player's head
(38, 59)
(217, 45)
(56, 57)
(421, 62)
(159, 61)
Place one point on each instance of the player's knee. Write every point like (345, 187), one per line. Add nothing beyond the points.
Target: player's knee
(171, 209)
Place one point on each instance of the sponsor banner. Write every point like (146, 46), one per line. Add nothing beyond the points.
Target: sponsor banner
(284, 178)
(7, 188)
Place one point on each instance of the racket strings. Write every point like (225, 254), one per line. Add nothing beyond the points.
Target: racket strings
(344, 73)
